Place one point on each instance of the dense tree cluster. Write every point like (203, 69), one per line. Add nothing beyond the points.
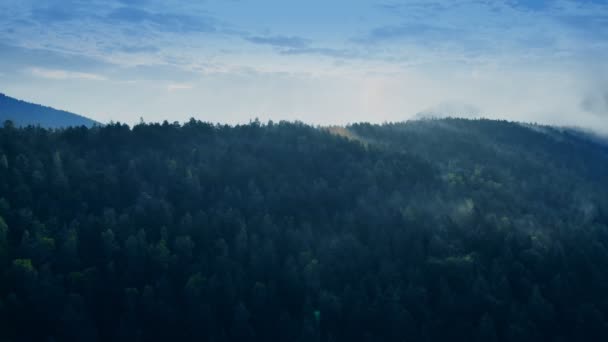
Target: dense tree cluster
(423, 231)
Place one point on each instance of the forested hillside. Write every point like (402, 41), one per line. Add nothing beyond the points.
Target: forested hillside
(23, 113)
(433, 230)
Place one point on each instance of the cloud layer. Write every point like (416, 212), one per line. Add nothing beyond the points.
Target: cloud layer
(338, 62)
(55, 74)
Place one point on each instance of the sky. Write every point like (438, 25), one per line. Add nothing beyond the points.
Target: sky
(321, 62)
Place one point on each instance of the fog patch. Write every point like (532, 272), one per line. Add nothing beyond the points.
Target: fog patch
(449, 109)
(596, 103)
(462, 212)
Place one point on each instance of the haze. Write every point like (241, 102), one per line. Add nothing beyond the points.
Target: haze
(316, 61)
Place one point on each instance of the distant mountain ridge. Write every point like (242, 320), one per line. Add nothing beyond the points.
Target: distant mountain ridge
(23, 113)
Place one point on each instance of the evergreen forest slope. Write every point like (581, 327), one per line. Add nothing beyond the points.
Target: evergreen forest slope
(432, 230)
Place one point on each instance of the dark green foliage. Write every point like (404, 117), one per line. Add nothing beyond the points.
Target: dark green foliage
(446, 230)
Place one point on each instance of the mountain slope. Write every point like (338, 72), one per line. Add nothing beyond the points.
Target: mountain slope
(23, 113)
(433, 230)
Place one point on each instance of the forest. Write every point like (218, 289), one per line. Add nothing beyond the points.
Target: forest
(429, 230)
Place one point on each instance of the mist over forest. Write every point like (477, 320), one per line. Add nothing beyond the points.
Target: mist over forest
(304, 171)
(430, 230)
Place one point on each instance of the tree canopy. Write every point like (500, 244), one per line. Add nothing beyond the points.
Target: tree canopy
(434, 230)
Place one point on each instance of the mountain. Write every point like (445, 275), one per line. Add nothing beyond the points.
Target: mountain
(430, 230)
(23, 113)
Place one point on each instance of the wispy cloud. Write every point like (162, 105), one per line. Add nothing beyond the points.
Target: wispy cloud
(168, 22)
(52, 14)
(415, 32)
(518, 57)
(320, 51)
(58, 74)
(126, 48)
(280, 41)
(179, 86)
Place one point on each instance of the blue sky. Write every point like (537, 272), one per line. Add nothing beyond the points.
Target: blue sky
(323, 62)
